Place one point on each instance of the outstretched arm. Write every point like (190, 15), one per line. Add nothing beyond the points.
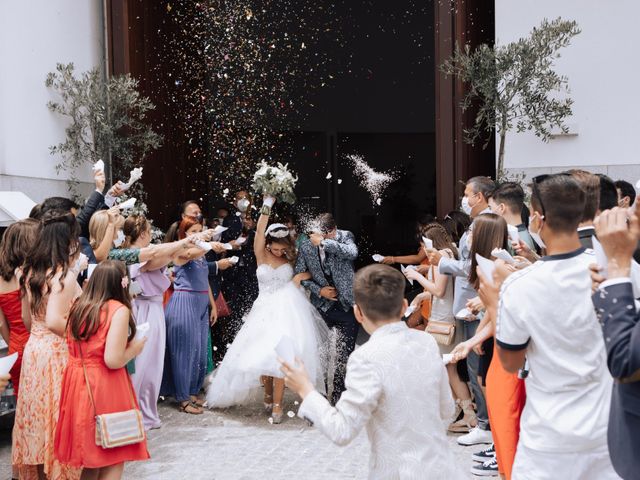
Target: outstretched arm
(260, 241)
(341, 423)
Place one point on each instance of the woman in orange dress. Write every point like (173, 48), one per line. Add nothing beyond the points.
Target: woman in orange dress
(16, 242)
(51, 285)
(100, 336)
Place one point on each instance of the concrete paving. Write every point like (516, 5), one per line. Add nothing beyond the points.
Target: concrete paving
(240, 443)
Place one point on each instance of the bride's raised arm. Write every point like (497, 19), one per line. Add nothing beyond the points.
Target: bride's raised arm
(260, 241)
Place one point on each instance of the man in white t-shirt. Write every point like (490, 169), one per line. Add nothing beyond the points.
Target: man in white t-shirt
(545, 314)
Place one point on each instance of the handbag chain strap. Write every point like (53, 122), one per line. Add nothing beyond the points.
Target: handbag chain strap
(86, 379)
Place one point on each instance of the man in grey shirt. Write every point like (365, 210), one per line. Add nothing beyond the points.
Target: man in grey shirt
(474, 203)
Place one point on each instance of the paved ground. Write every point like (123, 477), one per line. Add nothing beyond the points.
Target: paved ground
(241, 444)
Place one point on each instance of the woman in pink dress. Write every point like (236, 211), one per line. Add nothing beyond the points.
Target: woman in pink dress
(152, 282)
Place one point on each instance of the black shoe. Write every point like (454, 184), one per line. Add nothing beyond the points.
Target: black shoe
(486, 469)
(485, 455)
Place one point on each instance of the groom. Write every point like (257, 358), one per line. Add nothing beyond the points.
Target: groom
(328, 256)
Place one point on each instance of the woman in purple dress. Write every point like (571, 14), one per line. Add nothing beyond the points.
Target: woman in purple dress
(151, 281)
(188, 315)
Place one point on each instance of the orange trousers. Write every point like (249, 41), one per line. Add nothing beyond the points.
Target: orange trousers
(505, 401)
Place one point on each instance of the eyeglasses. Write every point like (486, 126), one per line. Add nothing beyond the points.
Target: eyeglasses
(536, 181)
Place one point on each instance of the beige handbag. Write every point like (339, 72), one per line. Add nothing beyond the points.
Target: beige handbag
(443, 332)
(116, 429)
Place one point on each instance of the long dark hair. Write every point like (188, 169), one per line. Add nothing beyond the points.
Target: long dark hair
(17, 240)
(105, 284)
(57, 241)
(489, 232)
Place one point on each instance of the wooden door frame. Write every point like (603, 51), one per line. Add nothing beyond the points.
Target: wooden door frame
(458, 22)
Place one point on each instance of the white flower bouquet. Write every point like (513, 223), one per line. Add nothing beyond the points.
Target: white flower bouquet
(277, 181)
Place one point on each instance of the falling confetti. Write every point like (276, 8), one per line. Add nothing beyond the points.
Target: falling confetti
(328, 177)
(373, 182)
(237, 74)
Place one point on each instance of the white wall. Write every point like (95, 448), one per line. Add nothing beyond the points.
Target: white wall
(34, 36)
(603, 66)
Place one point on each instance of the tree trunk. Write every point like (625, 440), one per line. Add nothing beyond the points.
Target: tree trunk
(500, 169)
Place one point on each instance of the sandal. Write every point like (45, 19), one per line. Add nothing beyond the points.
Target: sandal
(191, 409)
(198, 402)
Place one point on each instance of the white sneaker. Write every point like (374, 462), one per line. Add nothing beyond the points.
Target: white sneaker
(475, 437)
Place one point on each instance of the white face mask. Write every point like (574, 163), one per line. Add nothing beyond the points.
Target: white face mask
(243, 204)
(82, 260)
(119, 240)
(464, 206)
(536, 235)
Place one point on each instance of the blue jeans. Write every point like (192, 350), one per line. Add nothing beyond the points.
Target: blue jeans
(472, 366)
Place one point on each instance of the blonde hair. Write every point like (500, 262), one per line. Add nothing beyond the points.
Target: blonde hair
(98, 228)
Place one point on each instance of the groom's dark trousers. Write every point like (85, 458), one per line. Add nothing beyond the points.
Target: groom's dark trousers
(347, 327)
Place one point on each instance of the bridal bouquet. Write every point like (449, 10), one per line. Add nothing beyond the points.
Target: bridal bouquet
(276, 181)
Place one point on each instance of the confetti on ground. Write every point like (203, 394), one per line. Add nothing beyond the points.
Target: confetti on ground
(290, 414)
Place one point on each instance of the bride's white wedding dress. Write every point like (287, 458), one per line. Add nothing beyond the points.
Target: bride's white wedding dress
(280, 309)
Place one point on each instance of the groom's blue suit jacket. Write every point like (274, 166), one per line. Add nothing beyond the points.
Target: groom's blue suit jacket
(338, 269)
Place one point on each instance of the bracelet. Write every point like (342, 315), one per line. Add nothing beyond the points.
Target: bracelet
(265, 210)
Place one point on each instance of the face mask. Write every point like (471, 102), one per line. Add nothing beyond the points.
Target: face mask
(82, 260)
(119, 239)
(243, 204)
(464, 206)
(199, 218)
(536, 235)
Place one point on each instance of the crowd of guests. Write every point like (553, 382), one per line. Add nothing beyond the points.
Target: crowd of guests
(76, 284)
(527, 364)
(534, 384)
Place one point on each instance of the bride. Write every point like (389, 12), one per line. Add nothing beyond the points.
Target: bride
(281, 310)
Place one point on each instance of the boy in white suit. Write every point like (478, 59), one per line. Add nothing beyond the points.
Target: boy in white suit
(396, 386)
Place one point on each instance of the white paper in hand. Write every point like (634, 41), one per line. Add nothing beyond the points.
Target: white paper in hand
(234, 260)
(513, 233)
(240, 240)
(227, 246)
(6, 363)
(206, 246)
(127, 204)
(410, 309)
(90, 269)
(286, 350)
(141, 330)
(487, 267)
(502, 254)
(446, 358)
(134, 176)
(463, 314)
(98, 166)
(404, 269)
(377, 257)
(218, 231)
(428, 243)
(601, 257)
